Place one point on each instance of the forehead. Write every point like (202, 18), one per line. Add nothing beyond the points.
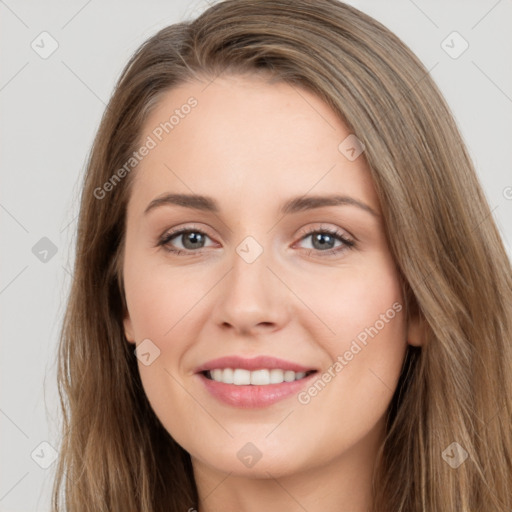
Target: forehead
(245, 139)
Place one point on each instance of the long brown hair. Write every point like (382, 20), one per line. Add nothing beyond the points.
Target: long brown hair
(456, 388)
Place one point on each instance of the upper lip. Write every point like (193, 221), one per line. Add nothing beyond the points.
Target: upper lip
(255, 363)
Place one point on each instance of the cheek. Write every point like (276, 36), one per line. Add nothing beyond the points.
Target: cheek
(364, 308)
(350, 302)
(159, 296)
(363, 333)
(161, 300)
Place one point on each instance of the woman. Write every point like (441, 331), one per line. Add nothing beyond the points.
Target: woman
(252, 370)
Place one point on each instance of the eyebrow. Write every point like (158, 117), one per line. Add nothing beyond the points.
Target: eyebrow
(294, 205)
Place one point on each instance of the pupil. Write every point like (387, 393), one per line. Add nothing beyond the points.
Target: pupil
(320, 239)
(194, 238)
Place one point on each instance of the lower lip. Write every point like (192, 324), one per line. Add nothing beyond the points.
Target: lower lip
(250, 396)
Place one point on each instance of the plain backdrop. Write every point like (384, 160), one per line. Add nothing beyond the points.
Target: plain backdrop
(51, 106)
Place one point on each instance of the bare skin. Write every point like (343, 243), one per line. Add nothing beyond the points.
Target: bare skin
(251, 146)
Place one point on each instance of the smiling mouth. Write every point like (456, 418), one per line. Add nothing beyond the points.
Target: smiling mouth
(262, 377)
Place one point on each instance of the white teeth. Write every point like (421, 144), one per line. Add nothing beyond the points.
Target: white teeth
(226, 375)
(241, 377)
(276, 376)
(260, 377)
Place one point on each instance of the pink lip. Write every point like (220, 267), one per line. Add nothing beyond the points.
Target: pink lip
(250, 396)
(255, 363)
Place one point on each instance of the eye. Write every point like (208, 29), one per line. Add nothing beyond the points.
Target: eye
(193, 239)
(323, 241)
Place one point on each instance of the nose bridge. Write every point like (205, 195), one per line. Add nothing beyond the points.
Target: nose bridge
(251, 294)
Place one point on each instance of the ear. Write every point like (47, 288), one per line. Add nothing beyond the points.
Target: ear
(128, 329)
(415, 331)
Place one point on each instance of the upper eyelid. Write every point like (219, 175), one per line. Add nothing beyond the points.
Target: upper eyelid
(323, 227)
(307, 231)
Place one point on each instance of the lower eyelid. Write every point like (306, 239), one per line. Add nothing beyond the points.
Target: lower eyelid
(346, 243)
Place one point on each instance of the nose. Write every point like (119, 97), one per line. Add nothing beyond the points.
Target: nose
(252, 298)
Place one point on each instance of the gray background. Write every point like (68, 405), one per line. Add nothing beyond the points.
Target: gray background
(51, 108)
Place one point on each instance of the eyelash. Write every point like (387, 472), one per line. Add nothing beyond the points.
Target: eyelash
(167, 237)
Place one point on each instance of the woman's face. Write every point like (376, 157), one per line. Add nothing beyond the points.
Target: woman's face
(269, 271)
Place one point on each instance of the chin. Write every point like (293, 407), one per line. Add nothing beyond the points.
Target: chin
(248, 463)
